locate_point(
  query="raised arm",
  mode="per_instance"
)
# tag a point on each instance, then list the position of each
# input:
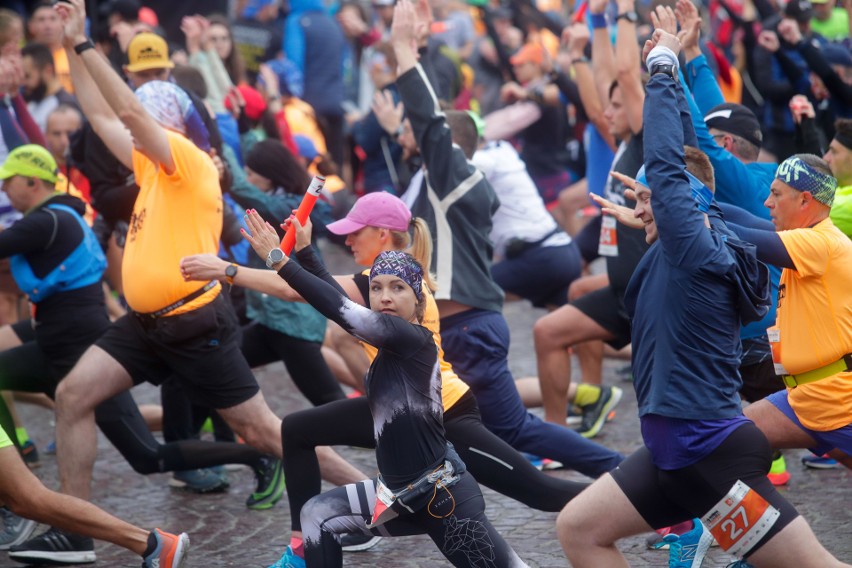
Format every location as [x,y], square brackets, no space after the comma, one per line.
[576,37]
[603,56]
[627,65]
[447,166]
[107,101]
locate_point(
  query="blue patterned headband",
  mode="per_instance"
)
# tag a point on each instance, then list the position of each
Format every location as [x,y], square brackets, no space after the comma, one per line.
[403,266]
[796,173]
[702,194]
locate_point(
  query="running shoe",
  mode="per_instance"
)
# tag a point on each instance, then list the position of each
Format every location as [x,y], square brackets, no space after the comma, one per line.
[270,484]
[688,550]
[15,529]
[289,560]
[169,550]
[29,453]
[207,480]
[820,462]
[358,542]
[595,414]
[778,474]
[55,547]
[655,541]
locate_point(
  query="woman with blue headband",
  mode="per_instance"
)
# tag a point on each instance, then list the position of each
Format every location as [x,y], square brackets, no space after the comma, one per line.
[422,485]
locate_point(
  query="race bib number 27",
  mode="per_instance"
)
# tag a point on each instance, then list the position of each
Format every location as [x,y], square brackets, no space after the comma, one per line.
[740,519]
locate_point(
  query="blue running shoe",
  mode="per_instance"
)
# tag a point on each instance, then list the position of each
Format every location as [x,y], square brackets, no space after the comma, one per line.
[688,550]
[207,480]
[289,560]
[820,462]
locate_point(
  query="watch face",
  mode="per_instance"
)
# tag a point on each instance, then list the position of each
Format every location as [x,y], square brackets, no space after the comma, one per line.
[231,271]
[276,255]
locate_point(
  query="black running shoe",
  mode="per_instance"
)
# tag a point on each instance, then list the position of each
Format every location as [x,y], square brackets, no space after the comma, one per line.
[270,484]
[55,548]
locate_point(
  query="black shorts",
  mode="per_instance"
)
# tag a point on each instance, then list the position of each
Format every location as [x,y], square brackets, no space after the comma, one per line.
[665,498]
[759,380]
[201,348]
[607,309]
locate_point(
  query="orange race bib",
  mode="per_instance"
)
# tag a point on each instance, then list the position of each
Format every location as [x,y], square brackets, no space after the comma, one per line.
[608,243]
[740,519]
[774,335]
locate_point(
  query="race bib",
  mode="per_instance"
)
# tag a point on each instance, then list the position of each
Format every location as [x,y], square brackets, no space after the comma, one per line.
[608,243]
[382,511]
[740,519]
[774,335]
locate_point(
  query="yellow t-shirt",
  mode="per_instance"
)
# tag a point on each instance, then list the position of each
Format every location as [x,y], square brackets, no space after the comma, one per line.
[815,321]
[63,69]
[174,216]
[452,387]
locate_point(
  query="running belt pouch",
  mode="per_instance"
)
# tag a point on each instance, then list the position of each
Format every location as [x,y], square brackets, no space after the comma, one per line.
[515,246]
[200,323]
[418,494]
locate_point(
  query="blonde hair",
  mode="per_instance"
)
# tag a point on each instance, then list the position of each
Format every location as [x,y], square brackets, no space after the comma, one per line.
[8,18]
[420,248]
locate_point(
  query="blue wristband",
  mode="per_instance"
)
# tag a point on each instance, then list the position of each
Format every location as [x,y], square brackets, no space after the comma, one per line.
[598,21]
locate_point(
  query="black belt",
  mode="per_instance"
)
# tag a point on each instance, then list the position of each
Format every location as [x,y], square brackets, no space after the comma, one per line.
[185,300]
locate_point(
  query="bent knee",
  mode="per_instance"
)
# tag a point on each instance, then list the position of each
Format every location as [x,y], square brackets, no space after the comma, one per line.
[572,528]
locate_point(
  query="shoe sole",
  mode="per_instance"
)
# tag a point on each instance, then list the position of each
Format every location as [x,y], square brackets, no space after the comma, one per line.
[54,558]
[613,401]
[22,537]
[811,465]
[183,486]
[181,552]
[363,546]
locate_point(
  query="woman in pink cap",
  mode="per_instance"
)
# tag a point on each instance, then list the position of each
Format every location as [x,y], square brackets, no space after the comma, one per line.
[380,222]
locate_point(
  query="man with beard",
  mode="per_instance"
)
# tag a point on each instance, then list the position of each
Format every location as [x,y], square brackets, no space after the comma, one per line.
[41,87]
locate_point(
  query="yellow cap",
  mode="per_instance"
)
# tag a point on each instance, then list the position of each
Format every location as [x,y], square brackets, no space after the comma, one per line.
[148,51]
[30,160]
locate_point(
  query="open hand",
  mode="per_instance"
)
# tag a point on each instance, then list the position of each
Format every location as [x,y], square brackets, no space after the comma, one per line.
[388,113]
[261,235]
[690,24]
[664,18]
[73,16]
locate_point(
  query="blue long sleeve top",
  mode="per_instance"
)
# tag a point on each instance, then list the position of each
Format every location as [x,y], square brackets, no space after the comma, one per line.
[687,299]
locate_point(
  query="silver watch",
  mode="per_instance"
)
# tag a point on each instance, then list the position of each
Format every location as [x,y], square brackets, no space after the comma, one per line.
[275,256]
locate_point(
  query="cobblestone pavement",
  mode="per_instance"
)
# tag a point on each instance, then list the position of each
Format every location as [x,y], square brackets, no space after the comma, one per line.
[226,534]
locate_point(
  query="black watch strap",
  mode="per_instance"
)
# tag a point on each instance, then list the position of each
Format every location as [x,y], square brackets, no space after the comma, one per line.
[83,46]
[630,16]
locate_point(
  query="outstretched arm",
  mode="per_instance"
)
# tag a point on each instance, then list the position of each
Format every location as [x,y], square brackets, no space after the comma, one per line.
[106,99]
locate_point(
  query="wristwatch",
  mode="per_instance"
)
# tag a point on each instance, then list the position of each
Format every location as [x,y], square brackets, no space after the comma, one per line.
[275,256]
[231,273]
[630,16]
[666,69]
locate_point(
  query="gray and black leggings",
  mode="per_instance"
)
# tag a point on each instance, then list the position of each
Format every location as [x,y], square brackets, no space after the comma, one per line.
[464,535]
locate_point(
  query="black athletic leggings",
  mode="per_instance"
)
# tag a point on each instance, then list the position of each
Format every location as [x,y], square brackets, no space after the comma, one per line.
[492,461]
[304,361]
[455,521]
[26,368]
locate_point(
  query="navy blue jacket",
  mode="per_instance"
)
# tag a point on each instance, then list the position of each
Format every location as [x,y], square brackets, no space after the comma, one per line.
[694,286]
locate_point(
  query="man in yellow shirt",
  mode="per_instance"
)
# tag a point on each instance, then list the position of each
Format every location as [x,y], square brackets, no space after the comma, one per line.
[812,339]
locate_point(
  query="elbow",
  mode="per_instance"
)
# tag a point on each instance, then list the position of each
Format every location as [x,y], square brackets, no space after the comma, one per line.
[132,113]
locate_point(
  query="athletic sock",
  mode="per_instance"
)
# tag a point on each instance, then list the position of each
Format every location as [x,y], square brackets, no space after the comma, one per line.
[683,528]
[778,465]
[586,395]
[297,545]
[22,435]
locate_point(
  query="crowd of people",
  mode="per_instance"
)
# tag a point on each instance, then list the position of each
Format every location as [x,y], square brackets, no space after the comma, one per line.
[670,182]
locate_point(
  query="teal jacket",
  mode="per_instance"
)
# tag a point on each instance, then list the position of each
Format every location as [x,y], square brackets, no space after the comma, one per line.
[290,318]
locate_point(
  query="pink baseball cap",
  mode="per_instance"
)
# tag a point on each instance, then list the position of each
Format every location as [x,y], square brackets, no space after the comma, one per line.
[379,209]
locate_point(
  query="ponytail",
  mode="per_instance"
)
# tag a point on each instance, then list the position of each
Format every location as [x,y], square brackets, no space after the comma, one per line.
[420,247]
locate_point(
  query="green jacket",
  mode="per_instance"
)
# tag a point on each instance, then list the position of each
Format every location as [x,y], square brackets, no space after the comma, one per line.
[841,210]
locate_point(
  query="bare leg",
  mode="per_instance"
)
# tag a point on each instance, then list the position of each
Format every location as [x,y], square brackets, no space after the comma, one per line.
[530,391]
[8,338]
[586,540]
[95,378]
[24,494]
[553,334]
[778,429]
[795,545]
[352,353]
[590,356]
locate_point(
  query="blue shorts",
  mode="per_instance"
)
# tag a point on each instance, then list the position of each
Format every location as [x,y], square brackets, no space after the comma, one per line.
[540,274]
[840,438]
